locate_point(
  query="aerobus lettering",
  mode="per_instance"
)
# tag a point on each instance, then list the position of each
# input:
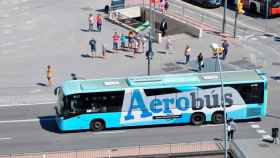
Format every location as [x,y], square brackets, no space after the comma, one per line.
[137,102]
[183,103]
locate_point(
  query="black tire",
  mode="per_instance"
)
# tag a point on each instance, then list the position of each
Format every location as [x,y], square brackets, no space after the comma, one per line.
[97,125]
[218,118]
[198,118]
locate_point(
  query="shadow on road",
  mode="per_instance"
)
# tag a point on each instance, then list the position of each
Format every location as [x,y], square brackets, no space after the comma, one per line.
[275,77]
[41,84]
[48,123]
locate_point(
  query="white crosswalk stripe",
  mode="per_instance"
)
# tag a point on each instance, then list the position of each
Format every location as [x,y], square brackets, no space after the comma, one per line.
[255,126]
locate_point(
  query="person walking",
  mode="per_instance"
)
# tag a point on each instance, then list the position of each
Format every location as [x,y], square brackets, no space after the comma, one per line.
[90,22]
[225,46]
[116,39]
[187,54]
[50,75]
[163,27]
[231,128]
[99,20]
[200,61]
[92,44]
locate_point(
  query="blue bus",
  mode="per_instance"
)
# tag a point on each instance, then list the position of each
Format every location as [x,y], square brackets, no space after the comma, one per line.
[161,99]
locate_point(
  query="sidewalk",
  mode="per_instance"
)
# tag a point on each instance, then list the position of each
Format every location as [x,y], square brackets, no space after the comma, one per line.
[255,148]
[64,45]
[162,150]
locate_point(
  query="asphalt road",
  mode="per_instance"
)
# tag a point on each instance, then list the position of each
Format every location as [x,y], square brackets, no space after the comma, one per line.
[32,128]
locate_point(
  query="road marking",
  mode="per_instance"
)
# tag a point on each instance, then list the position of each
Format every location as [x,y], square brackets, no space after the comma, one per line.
[211,125]
[266,136]
[255,126]
[113,132]
[6,138]
[251,122]
[261,131]
[28,104]
[254,38]
[7,44]
[27,120]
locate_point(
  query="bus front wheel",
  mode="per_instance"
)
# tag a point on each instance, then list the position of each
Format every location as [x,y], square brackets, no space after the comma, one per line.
[97,125]
[218,118]
[197,118]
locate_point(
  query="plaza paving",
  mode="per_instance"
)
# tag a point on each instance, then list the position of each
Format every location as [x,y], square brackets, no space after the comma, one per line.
[38,33]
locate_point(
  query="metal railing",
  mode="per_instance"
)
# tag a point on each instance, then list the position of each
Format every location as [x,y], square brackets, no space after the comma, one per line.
[163,149]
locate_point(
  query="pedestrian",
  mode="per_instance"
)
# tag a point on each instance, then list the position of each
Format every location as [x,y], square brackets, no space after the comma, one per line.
[163,27]
[134,46]
[90,22]
[130,39]
[50,75]
[162,6]
[187,54]
[200,61]
[92,44]
[231,128]
[106,9]
[225,46]
[116,39]
[166,6]
[99,20]
[123,41]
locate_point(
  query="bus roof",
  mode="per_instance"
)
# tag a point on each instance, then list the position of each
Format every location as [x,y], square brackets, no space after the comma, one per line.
[157,81]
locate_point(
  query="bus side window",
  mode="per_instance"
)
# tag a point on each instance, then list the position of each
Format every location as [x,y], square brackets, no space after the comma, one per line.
[115,101]
[250,93]
[160,91]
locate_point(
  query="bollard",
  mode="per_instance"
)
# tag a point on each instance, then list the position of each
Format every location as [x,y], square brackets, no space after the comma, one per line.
[103,51]
[275,135]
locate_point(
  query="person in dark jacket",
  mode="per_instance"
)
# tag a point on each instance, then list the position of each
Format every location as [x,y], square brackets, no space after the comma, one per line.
[92,44]
[225,45]
[163,27]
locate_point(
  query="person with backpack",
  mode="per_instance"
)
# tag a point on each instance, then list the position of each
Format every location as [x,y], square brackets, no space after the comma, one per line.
[99,22]
[92,44]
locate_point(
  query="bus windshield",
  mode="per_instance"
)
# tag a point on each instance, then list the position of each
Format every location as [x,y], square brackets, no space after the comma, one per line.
[275,3]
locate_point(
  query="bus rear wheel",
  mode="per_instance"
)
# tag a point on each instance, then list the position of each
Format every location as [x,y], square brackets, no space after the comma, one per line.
[198,119]
[97,125]
[218,118]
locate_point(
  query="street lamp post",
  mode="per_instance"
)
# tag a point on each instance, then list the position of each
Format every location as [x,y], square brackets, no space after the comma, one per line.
[223,105]
[224,17]
[149,52]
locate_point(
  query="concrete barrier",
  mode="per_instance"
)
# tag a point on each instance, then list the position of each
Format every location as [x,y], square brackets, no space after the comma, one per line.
[175,25]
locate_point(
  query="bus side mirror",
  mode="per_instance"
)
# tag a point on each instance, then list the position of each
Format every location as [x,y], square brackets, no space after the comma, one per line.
[56,91]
